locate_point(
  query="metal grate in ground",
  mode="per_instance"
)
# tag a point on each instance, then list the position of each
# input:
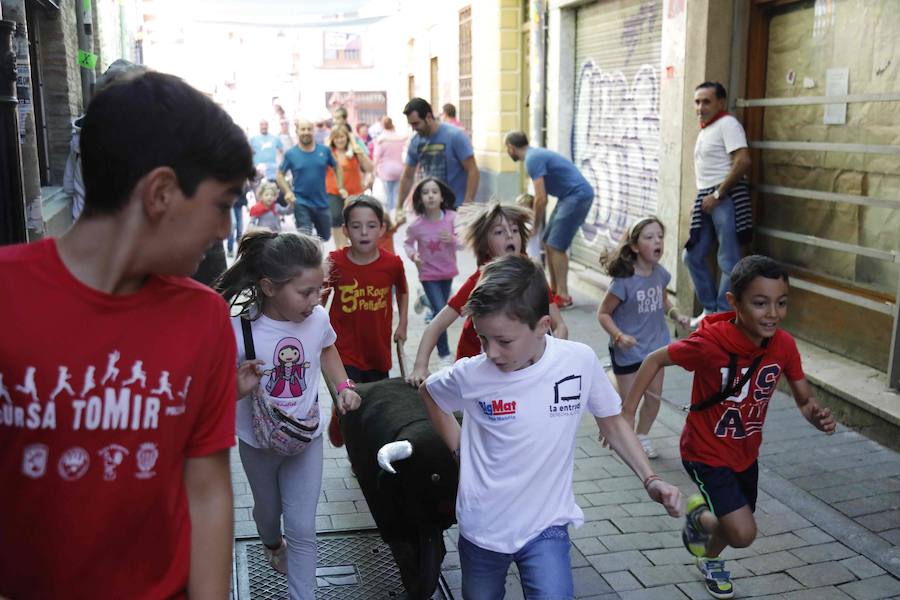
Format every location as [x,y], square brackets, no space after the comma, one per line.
[357,566]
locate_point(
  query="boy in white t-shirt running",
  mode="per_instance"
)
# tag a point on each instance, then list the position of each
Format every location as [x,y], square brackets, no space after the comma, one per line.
[522,400]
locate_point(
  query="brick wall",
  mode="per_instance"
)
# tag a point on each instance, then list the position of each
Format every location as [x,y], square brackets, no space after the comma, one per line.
[62,82]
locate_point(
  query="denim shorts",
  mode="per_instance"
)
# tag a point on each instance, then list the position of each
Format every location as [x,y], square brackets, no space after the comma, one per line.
[313,219]
[566,218]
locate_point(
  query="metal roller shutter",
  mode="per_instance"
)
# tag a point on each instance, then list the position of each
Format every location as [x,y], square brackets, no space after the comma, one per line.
[615,136]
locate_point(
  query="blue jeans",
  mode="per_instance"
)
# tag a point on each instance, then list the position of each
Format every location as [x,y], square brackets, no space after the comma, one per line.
[566,219]
[544,568]
[716,226]
[237,228]
[390,190]
[308,217]
[438,292]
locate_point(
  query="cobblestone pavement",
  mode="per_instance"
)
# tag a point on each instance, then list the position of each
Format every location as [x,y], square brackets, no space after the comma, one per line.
[828,511]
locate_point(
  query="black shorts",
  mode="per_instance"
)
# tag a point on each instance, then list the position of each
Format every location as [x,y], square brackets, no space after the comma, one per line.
[622,369]
[360,376]
[725,490]
[336,204]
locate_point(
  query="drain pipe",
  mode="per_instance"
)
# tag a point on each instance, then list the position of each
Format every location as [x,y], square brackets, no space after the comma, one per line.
[12,190]
[537,18]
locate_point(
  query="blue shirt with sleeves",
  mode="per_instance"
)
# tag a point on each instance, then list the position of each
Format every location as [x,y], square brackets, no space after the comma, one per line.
[441,155]
[641,313]
[308,170]
[561,178]
[265,152]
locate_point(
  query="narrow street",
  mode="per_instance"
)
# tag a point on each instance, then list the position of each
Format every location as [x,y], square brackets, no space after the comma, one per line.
[828,510]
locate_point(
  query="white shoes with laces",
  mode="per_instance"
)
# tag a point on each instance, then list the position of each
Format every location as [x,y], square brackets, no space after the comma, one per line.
[647,445]
[695,322]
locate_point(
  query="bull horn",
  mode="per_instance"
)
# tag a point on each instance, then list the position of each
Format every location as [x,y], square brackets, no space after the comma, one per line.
[393,451]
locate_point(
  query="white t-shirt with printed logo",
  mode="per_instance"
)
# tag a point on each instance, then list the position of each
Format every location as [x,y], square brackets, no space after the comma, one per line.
[518,440]
[291,352]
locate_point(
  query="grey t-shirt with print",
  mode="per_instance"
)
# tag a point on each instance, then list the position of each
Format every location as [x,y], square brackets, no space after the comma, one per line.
[640,313]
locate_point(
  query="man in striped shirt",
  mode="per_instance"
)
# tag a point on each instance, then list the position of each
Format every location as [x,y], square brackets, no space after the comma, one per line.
[722,211]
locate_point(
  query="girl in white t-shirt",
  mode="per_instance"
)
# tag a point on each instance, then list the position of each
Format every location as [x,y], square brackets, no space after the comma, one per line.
[633,313]
[275,284]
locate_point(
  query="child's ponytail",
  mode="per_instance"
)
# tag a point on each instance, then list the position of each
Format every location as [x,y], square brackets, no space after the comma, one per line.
[619,262]
[264,254]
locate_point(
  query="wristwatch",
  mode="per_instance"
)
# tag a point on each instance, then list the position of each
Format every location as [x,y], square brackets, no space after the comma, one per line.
[716,193]
[347,383]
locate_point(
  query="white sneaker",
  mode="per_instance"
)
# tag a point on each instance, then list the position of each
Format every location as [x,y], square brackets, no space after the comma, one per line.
[278,558]
[446,361]
[421,302]
[695,322]
[647,445]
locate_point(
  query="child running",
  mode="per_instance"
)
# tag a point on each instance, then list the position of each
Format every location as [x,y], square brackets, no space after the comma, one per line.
[496,230]
[431,243]
[266,213]
[276,281]
[522,400]
[737,358]
[632,313]
[362,277]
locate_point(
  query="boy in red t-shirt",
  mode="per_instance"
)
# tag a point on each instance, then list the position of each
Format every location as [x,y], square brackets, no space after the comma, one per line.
[362,277]
[117,371]
[737,358]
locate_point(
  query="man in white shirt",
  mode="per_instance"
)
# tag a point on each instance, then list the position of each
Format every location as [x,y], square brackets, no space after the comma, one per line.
[522,400]
[722,210]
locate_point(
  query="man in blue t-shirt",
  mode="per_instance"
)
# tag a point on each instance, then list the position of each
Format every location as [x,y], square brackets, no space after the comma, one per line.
[308,164]
[554,175]
[438,150]
[266,148]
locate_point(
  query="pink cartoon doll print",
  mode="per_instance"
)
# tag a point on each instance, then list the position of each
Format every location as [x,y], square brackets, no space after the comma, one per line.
[287,378]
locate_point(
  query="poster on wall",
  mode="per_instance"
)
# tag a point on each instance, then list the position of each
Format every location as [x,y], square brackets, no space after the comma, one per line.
[837,83]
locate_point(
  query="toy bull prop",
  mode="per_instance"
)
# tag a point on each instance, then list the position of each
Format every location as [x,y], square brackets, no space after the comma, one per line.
[408,477]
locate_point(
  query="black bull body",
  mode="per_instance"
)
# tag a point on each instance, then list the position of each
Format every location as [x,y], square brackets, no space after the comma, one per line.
[414,507]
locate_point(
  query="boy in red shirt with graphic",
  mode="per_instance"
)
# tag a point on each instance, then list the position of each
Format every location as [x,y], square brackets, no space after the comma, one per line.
[737,358]
[118,371]
[362,276]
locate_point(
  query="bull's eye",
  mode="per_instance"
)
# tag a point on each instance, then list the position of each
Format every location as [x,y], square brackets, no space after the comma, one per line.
[435,477]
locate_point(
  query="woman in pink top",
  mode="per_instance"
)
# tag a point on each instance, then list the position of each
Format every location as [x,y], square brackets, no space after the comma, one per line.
[431,243]
[388,158]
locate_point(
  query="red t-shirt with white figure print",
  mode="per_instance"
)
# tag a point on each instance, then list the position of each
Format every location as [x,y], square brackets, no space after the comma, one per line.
[728,434]
[102,399]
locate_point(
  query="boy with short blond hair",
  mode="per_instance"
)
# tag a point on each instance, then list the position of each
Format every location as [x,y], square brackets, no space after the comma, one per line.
[522,400]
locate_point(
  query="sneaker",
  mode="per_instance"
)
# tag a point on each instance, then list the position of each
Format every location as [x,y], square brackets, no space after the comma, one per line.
[718,580]
[421,302]
[693,537]
[334,430]
[647,445]
[278,558]
[695,322]
[446,361]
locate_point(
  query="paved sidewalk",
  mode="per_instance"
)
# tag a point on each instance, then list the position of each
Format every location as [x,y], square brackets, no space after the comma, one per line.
[828,511]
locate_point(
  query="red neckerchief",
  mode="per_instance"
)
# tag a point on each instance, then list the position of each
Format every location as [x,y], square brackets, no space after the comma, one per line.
[715,118]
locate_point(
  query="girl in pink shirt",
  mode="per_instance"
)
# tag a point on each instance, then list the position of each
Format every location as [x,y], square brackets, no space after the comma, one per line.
[431,243]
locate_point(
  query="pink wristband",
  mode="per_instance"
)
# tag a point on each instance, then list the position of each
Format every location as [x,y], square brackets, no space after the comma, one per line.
[347,383]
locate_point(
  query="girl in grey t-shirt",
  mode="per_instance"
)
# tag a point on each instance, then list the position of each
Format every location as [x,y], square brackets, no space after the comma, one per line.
[633,313]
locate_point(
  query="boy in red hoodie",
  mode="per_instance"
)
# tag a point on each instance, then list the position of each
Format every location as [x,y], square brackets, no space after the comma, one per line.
[737,358]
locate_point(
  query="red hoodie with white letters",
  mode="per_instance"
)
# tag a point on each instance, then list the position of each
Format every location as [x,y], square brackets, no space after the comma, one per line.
[729,433]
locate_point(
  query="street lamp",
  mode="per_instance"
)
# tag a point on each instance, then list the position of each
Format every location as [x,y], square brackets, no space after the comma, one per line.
[12,190]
